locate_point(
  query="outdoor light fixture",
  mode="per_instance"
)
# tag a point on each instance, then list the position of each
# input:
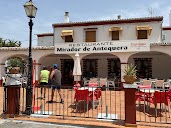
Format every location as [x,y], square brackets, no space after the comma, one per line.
[31,10]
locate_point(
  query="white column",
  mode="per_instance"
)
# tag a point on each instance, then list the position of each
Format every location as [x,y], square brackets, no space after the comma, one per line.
[2,72]
[122,69]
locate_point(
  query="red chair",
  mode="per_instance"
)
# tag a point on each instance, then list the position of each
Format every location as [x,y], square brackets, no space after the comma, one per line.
[83,95]
[76,86]
[160,97]
[98,93]
[142,96]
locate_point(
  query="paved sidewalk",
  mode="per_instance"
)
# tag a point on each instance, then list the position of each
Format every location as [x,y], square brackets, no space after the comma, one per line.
[30,124]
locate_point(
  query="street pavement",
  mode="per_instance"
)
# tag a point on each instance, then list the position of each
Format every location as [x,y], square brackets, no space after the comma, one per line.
[6,123]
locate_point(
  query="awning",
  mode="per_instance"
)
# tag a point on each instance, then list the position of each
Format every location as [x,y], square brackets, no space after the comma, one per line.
[67,33]
[115,29]
[147,27]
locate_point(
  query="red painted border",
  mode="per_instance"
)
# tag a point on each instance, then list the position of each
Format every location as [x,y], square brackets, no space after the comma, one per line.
[45,34]
[1,83]
[124,63]
[167,28]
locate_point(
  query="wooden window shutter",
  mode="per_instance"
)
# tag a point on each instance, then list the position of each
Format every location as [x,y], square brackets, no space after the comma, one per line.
[90,36]
[115,35]
[142,34]
[68,38]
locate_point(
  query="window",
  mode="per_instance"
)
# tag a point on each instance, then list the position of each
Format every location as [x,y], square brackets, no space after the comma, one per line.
[90,68]
[114,68]
[143,31]
[144,67]
[114,32]
[115,35]
[142,34]
[90,36]
[67,35]
[68,38]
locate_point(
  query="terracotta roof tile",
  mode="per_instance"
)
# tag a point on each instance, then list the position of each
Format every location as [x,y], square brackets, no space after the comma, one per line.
[102,22]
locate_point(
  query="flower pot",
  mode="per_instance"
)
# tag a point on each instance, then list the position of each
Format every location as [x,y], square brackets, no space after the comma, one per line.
[129,79]
[14,70]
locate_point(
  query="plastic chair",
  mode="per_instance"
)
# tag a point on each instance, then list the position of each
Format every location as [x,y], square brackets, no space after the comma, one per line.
[93,80]
[159,84]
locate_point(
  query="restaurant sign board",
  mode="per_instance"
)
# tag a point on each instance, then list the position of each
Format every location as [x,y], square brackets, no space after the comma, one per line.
[102,47]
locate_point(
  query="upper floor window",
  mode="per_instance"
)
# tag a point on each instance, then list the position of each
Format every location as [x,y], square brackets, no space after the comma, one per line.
[68,38]
[115,35]
[115,31]
[90,35]
[143,32]
[67,35]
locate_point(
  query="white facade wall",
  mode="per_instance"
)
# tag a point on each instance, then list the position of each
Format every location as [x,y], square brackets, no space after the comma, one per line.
[128,32]
[167,34]
[160,64]
[45,41]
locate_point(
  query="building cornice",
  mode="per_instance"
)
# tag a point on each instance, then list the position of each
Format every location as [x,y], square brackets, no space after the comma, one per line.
[105,22]
[26,48]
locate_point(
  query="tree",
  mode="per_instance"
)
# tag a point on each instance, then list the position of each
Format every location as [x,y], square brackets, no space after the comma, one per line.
[9,43]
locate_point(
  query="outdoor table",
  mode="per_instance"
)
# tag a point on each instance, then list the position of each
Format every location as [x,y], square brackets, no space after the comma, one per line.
[149,90]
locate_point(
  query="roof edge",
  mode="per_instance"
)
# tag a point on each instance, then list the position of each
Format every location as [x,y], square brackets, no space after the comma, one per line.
[103,22]
[44,34]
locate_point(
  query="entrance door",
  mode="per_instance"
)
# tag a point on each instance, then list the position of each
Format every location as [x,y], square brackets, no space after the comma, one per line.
[67,68]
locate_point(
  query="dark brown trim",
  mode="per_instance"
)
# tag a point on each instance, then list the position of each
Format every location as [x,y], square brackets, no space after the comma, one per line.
[105,22]
[89,28]
[2,64]
[124,63]
[167,28]
[45,34]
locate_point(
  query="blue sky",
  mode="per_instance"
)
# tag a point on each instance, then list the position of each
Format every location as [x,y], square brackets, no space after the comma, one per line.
[14,23]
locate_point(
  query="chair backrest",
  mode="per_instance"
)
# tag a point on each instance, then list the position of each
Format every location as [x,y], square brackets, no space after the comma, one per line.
[77,85]
[146,82]
[161,97]
[159,83]
[93,80]
[169,81]
[81,95]
[103,81]
[153,79]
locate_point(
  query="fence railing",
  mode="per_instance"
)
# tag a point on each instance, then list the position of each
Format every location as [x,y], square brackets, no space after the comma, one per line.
[153,105]
[86,102]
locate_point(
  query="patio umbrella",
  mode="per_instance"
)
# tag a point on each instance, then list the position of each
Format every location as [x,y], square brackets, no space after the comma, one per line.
[77,68]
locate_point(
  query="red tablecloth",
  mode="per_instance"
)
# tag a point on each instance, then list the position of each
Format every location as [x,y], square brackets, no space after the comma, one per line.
[144,86]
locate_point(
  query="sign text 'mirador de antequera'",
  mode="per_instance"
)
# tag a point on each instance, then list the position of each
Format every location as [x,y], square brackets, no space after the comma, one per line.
[99,47]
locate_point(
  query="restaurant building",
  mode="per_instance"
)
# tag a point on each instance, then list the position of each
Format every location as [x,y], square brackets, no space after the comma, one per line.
[104,48]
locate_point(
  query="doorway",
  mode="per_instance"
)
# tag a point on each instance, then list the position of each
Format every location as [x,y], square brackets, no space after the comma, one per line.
[66,70]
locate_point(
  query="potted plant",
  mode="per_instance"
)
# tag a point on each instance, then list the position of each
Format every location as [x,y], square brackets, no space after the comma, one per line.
[130,74]
[14,65]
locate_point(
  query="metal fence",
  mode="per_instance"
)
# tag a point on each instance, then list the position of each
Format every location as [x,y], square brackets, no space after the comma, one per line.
[153,105]
[102,103]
